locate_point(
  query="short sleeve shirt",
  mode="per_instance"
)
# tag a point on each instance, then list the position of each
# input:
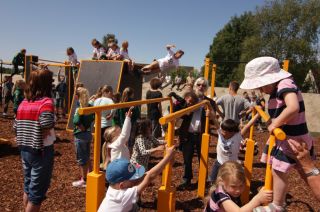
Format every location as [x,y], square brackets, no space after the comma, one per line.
[228,149]
[218,197]
[119,200]
[168,62]
[232,106]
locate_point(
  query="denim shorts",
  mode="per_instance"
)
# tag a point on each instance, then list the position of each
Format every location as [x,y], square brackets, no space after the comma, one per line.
[37,171]
[82,144]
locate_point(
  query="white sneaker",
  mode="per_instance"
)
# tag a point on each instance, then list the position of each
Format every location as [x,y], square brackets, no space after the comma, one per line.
[80,183]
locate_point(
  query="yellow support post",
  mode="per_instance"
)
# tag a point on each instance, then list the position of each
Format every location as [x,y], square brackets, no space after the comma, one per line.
[213,79]
[268,179]
[203,169]
[285,65]
[206,68]
[166,193]
[96,190]
[248,161]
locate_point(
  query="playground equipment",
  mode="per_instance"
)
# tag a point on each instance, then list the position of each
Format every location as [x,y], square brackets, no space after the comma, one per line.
[166,194]
[95,179]
[96,73]
[213,74]
[277,134]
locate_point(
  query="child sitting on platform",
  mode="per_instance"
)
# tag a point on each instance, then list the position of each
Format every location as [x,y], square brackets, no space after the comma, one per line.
[224,195]
[99,52]
[113,52]
[166,63]
[125,55]
[127,182]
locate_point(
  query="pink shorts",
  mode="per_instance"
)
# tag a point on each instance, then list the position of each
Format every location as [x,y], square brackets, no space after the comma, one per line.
[280,159]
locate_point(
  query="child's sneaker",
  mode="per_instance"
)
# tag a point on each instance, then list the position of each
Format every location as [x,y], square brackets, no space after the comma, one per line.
[80,183]
[269,208]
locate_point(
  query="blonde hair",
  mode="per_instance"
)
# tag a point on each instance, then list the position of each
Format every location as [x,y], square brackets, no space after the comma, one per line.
[83,95]
[228,171]
[109,134]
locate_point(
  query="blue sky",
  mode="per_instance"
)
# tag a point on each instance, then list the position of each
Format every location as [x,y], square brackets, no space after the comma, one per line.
[47,28]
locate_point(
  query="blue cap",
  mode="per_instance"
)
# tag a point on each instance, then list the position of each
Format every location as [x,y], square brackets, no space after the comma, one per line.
[120,170]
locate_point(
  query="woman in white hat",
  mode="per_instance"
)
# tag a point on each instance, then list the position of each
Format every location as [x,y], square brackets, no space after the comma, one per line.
[287,111]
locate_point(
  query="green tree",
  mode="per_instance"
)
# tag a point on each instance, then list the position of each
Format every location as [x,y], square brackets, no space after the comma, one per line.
[286,29]
[226,48]
[109,38]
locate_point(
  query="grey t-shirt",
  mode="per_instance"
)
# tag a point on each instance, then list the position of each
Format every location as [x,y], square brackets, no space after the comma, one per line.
[232,106]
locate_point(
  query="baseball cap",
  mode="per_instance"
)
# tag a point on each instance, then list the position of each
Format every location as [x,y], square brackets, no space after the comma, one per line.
[120,170]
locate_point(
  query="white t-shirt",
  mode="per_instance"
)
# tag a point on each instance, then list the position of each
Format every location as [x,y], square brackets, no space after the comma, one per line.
[119,200]
[73,59]
[119,148]
[99,52]
[228,149]
[113,53]
[104,101]
[168,62]
[125,54]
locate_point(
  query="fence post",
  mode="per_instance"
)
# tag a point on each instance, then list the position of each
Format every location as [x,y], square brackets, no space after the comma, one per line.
[213,79]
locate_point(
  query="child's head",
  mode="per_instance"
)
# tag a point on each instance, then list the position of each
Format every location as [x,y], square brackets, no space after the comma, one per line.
[83,96]
[127,94]
[62,78]
[79,85]
[228,128]
[155,83]
[263,73]
[20,84]
[121,172]
[95,43]
[143,127]
[23,51]
[232,178]
[70,51]
[125,44]
[107,91]
[191,98]
[234,86]
[111,134]
[178,54]
[116,97]
[112,45]
[40,84]
[245,94]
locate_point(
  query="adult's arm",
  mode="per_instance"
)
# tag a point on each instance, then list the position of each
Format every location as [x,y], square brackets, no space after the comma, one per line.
[303,158]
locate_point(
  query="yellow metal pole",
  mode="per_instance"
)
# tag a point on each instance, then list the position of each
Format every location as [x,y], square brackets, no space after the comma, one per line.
[248,164]
[203,169]
[95,191]
[213,79]
[268,179]
[285,65]
[206,68]
[166,193]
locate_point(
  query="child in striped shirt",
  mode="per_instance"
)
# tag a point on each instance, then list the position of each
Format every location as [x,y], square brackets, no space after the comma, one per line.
[287,111]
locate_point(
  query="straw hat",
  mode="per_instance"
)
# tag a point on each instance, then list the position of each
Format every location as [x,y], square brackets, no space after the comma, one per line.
[262,71]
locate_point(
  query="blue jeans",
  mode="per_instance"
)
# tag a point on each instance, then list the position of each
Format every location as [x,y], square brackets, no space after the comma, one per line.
[82,143]
[37,171]
[214,172]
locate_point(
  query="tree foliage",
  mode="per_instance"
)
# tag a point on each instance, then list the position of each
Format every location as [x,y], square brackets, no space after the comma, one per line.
[284,29]
[109,38]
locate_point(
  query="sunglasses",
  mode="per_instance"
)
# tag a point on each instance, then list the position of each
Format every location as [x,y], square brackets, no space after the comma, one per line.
[203,85]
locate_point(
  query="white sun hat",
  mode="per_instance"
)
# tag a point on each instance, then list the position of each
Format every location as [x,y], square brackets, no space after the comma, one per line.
[262,71]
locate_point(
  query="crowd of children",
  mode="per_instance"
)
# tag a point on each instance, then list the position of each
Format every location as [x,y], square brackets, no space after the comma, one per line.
[128,140]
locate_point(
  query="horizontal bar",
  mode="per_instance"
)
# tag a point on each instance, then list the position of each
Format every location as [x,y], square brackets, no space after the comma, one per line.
[277,132]
[180,113]
[89,110]
[51,61]
[53,64]
[5,63]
